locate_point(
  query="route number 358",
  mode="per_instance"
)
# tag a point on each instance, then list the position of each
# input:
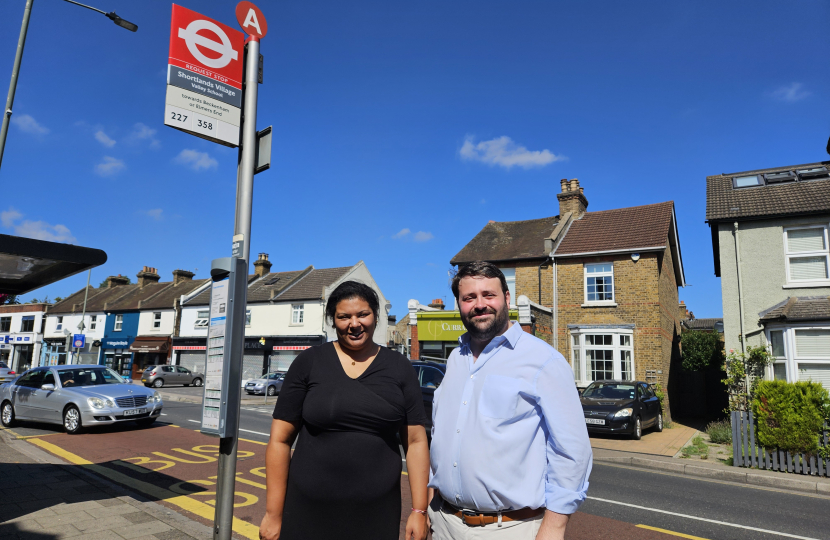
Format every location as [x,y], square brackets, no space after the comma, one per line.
[206,125]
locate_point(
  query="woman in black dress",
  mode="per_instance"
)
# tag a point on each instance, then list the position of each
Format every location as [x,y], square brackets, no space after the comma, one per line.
[346,400]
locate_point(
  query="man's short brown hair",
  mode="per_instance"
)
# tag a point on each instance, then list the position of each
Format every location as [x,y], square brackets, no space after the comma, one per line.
[478,269]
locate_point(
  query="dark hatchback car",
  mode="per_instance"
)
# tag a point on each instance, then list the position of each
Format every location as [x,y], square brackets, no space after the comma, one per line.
[624,407]
[430,375]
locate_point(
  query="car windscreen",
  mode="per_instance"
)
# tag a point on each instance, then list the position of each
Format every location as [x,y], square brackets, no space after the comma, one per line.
[3,365]
[88,377]
[610,391]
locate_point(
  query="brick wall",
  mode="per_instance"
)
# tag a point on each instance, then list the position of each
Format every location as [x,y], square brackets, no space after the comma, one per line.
[527,283]
[669,323]
[542,325]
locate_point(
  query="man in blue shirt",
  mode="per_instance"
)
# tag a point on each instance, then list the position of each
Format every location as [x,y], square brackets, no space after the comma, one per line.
[510,452]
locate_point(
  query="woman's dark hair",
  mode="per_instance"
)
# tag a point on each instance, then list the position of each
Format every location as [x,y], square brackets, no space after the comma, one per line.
[348,290]
[478,269]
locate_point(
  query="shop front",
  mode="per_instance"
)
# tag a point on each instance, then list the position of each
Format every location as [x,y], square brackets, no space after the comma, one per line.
[53,352]
[149,351]
[22,351]
[438,333]
[285,349]
[117,355]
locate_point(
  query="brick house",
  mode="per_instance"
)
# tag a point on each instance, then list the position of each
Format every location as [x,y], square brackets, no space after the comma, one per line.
[603,286]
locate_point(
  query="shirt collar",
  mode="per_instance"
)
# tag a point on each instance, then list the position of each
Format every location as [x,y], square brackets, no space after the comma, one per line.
[512,336]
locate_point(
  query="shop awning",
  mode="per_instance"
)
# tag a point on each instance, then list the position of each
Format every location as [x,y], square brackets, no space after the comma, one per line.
[150,345]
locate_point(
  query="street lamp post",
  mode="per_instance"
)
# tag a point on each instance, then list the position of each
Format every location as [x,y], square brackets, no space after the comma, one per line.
[21,42]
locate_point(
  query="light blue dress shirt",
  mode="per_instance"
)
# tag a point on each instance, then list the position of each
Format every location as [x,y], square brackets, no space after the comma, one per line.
[508,429]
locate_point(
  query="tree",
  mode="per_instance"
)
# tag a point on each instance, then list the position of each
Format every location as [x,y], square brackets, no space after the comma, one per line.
[9,299]
[700,350]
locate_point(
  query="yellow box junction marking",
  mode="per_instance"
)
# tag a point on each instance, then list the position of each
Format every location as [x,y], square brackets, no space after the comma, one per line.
[666,531]
[182,501]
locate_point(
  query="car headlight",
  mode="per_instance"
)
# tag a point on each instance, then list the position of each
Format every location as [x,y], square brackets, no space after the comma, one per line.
[623,413]
[156,397]
[96,403]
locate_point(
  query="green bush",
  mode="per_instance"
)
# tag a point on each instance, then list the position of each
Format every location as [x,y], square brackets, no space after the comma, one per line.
[699,350]
[720,432]
[790,416]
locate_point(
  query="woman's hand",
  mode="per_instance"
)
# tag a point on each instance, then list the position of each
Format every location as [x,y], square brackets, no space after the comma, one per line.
[416,526]
[270,527]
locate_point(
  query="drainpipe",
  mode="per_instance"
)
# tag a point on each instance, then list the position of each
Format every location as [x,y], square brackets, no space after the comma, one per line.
[554,311]
[740,286]
[539,274]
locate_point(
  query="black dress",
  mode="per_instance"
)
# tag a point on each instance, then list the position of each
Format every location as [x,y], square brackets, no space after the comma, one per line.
[345,474]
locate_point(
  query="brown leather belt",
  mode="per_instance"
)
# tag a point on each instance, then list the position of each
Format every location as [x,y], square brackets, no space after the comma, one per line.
[475,519]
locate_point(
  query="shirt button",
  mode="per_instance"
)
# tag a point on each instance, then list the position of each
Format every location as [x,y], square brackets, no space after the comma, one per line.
[454,464]
[458,431]
[471,376]
[465,403]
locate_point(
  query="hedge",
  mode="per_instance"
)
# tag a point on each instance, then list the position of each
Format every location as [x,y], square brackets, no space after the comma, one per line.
[699,350]
[790,416]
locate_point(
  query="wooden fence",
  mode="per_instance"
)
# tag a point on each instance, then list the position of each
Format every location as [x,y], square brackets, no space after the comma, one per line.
[747,453]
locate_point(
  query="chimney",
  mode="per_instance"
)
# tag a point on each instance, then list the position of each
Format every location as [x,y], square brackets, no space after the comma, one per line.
[572,199]
[180,276]
[147,275]
[684,312]
[262,265]
[437,303]
[114,281]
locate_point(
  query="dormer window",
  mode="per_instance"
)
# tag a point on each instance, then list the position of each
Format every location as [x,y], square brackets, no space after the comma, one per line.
[817,173]
[780,177]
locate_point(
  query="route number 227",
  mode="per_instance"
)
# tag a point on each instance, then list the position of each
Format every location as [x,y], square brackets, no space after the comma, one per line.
[178,117]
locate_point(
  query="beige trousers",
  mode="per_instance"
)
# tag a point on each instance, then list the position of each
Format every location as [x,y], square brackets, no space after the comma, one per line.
[446,526]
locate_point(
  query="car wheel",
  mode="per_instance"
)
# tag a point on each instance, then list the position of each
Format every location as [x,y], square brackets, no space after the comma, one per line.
[72,420]
[658,426]
[272,391]
[7,414]
[145,422]
[638,429]
[197,382]
[158,383]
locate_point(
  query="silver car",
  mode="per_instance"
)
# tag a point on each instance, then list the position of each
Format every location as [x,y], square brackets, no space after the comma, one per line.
[6,374]
[165,375]
[77,396]
[270,383]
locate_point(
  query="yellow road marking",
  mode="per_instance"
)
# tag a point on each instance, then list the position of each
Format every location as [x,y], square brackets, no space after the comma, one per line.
[665,531]
[255,442]
[22,437]
[191,505]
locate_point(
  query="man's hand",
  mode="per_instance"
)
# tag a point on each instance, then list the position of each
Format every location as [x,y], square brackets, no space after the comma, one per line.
[270,527]
[553,526]
[416,527]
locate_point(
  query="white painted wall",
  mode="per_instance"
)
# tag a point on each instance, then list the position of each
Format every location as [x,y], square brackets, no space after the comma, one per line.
[275,319]
[189,316]
[70,322]
[146,319]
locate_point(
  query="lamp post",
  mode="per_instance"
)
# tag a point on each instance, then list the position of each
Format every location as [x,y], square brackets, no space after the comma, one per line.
[21,42]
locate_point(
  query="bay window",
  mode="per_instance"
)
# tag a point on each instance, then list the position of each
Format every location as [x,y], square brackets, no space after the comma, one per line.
[602,354]
[801,353]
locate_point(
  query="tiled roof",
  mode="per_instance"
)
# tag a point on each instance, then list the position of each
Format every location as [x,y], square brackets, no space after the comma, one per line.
[130,299]
[798,308]
[508,240]
[165,298]
[95,302]
[701,324]
[311,286]
[261,290]
[723,202]
[622,229]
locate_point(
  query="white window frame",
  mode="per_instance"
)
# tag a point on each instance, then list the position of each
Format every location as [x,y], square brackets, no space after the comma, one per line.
[93,322]
[58,324]
[118,324]
[792,361]
[585,277]
[584,368]
[202,322]
[248,318]
[297,314]
[510,278]
[157,320]
[799,254]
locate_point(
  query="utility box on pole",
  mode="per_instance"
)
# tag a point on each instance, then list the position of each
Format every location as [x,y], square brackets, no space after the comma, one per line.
[226,333]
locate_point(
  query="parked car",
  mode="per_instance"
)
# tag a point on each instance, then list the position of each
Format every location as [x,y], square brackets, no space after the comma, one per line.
[6,374]
[77,396]
[625,407]
[270,383]
[430,374]
[158,376]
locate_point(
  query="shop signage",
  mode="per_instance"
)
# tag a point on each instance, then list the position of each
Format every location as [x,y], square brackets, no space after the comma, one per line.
[445,325]
[189,348]
[118,343]
[291,347]
[204,77]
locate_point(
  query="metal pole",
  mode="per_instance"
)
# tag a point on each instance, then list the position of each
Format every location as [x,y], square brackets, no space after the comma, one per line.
[21,42]
[226,477]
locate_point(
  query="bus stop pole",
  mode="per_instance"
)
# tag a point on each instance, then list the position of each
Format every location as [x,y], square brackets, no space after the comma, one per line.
[226,478]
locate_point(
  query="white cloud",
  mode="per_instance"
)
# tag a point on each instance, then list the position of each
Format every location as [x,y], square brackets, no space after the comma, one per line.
[423,236]
[196,160]
[155,213]
[791,93]
[39,230]
[110,166]
[27,124]
[102,138]
[502,151]
[401,233]
[142,132]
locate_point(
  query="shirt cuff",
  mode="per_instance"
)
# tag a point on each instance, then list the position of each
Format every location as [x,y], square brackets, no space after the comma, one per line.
[564,501]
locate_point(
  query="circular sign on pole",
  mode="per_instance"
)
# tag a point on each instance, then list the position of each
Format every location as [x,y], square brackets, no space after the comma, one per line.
[251,19]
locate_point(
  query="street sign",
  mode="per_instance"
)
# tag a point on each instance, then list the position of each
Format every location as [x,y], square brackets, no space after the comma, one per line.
[263,150]
[251,19]
[79,341]
[224,347]
[204,77]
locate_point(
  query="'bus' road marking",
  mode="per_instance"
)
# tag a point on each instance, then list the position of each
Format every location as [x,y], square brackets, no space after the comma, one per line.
[748,528]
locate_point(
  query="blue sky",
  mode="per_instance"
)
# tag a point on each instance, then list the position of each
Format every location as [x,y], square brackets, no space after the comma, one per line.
[373,105]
